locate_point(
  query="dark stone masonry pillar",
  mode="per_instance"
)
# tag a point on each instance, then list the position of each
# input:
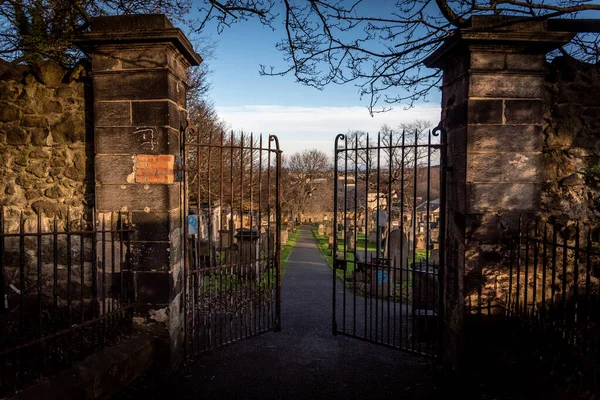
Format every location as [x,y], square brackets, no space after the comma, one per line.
[492,108]
[139,65]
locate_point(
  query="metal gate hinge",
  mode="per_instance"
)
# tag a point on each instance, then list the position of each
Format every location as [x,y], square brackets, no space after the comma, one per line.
[178,169]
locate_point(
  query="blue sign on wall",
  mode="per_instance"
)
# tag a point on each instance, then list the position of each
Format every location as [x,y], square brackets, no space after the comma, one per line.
[192,224]
[382,277]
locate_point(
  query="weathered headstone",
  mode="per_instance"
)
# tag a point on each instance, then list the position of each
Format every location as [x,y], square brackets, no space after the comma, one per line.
[284,237]
[331,242]
[329,230]
[350,243]
[372,237]
[420,241]
[321,229]
[398,253]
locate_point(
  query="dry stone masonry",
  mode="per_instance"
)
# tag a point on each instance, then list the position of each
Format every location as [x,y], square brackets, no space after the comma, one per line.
[46,154]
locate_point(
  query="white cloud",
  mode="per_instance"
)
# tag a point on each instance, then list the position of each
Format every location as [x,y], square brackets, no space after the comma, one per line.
[300,128]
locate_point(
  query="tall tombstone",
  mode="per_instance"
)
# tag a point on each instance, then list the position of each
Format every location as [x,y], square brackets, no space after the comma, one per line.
[492,110]
[398,254]
[139,65]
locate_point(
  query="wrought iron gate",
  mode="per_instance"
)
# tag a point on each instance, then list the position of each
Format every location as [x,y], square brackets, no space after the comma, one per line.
[232,245]
[388,234]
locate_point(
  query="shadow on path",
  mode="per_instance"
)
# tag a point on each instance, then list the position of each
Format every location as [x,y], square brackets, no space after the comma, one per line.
[303,361]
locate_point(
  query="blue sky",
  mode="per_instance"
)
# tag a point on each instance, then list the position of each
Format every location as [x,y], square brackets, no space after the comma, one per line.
[302,117]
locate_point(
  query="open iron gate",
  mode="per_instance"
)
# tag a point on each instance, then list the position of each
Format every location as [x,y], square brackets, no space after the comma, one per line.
[388,232]
[232,265]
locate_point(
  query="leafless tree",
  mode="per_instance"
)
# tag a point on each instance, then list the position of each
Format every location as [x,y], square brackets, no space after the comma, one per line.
[378,48]
[307,183]
[41,29]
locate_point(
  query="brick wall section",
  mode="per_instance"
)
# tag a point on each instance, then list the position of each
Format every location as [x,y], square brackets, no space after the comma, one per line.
[154,169]
[139,65]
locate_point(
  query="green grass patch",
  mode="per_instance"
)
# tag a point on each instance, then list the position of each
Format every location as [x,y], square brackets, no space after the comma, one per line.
[286,250]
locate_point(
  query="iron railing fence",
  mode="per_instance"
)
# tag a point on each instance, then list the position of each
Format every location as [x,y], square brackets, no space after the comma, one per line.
[233,209]
[66,291]
[553,284]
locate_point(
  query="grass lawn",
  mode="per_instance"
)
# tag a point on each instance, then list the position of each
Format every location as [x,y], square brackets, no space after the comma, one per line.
[286,250]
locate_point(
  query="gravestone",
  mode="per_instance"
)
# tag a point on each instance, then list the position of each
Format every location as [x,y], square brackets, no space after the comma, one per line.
[350,245]
[284,237]
[420,241]
[321,229]
[372,237]
[329,230]
[434,256]
[331,242]
[397,252]
[248,250]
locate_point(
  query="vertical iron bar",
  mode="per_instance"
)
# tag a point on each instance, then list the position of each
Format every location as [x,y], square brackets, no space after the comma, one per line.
[403,282]
[379,271]
[575,319]
[535,262]
[335,231]
[414,218]
[264,268]
[391,271]
[39,292]
[355,232]
[427,275]
[526,283]
[442,239]
[564,286]
[544,267]
[344,245]
[518,277]
[367,263]
[278,233]
[3,299]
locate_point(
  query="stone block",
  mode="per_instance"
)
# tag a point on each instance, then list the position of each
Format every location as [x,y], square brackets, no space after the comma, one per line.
[455,92]
[136,197]
[488,61]
[485,111]
[127,23]
[484,167]
[131,85]
[152,287]
[135,57]
[155,113]
[9,112]
[150,256]
[523,111]
[506,85]
[525,62]
[177,90]
[136,140]
[455,116]
[522,167]
[114,169]
[510,138]
[112,114]
[484,197]
[153,225]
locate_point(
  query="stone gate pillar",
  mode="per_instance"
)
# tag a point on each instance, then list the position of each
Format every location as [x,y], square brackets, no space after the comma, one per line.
[492,108]
[139,65]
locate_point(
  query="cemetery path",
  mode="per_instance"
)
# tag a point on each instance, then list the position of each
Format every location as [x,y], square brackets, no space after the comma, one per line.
[302,361]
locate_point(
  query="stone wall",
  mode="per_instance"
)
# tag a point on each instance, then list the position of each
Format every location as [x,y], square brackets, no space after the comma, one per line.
[46,154]
[572,142]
